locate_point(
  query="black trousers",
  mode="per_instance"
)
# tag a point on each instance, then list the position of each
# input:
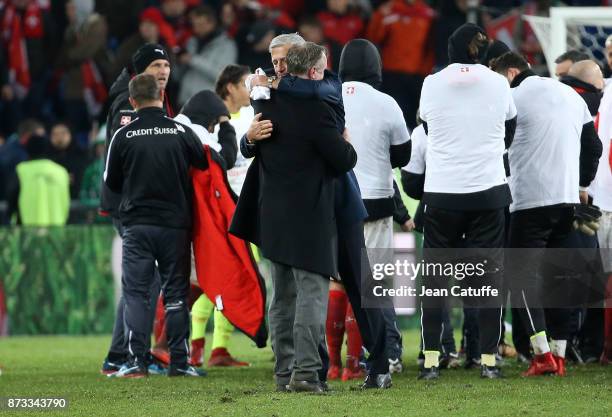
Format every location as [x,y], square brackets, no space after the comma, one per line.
[118,351]
[371,321]
[469,230]
[536,229]
[142,246]
[406,90]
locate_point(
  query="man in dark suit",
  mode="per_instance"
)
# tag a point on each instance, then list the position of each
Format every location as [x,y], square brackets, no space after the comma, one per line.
[287,208]
[349,213]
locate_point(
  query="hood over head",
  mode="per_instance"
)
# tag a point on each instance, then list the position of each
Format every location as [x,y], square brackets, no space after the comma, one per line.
[360,61]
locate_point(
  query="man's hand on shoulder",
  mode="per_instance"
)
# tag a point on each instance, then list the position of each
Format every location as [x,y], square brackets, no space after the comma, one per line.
[259,129]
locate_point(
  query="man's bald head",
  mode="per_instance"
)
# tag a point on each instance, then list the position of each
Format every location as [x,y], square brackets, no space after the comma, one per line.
[587,71]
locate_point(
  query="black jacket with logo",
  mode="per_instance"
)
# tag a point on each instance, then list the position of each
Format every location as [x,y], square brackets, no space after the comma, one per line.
[148,163]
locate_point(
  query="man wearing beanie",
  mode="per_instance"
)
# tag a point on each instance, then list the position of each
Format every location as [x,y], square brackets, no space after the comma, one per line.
[467,112]
[150,59]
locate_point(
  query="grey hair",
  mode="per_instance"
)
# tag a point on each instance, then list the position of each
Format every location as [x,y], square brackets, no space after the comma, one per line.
[303,57]
[286,39]
[609,41]
[143,88]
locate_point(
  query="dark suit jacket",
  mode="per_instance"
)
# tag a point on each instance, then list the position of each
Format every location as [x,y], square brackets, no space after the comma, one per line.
[286,206]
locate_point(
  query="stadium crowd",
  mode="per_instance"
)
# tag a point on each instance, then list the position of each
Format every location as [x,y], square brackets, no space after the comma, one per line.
[187,74]
[58,59]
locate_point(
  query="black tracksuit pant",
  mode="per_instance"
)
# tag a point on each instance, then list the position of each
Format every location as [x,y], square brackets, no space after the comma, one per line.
[448,229]
[142,246]
[118,351]
[536,229]
[371,321]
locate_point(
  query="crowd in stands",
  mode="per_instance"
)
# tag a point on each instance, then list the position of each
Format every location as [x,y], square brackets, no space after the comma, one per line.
[58,59]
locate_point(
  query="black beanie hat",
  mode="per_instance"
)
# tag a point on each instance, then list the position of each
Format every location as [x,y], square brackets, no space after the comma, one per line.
[146,54]
[204,108]
[360,61]
[459,41]
[496,49]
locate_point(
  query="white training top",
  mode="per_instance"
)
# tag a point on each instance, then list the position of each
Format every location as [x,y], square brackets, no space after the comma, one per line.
[601,187]
[465,107]
[416,165]
[374,122]
[241,122]
[545,154]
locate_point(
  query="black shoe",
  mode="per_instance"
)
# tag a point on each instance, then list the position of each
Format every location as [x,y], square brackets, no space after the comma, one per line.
[490,372]
[429,374]
[379,381]
[186,371]
[281,388]
[304,386]
[132,369]
[324,386]
[109,368]
[471,363]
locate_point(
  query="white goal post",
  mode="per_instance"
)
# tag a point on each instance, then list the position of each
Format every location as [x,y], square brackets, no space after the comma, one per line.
[583,28]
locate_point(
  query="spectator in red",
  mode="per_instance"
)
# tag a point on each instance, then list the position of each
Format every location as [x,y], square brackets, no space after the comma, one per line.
[28,38]
[208,51]
[402,29]
[152,29]
[340,22]
[311,30]
[85,66]
[175,14]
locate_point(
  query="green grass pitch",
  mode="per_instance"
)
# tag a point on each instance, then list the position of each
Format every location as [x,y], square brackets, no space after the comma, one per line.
[69,367]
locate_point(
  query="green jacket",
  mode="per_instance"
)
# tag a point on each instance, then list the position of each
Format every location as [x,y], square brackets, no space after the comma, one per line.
[44,193]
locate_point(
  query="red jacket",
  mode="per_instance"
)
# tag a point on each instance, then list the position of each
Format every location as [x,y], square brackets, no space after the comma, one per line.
[226,271]
[402,31]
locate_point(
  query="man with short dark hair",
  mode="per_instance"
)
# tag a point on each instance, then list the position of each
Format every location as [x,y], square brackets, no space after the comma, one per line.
[553,159]
[566,60]
[156,216]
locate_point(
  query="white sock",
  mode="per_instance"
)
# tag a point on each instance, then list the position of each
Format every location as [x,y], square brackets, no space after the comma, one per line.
[487,359]
[432,358]
[539,343]
[557,347]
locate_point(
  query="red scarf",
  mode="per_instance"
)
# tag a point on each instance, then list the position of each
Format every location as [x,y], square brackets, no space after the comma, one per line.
[16,28]
[94,90]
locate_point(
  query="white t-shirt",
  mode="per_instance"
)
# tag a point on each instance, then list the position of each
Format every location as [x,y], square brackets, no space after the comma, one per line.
[241,122]
[374,122]
[545,154]
[465,107]
[416,165]
[601,188]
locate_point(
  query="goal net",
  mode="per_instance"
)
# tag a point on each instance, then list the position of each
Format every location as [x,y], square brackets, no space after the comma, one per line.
[581,28]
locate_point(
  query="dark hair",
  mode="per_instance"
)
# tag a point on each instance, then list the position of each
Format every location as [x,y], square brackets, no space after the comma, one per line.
[204,10]
[302,58]
[231,74]
[476,45]
[28,126]
[509,60]
[143,88]
[572,55]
